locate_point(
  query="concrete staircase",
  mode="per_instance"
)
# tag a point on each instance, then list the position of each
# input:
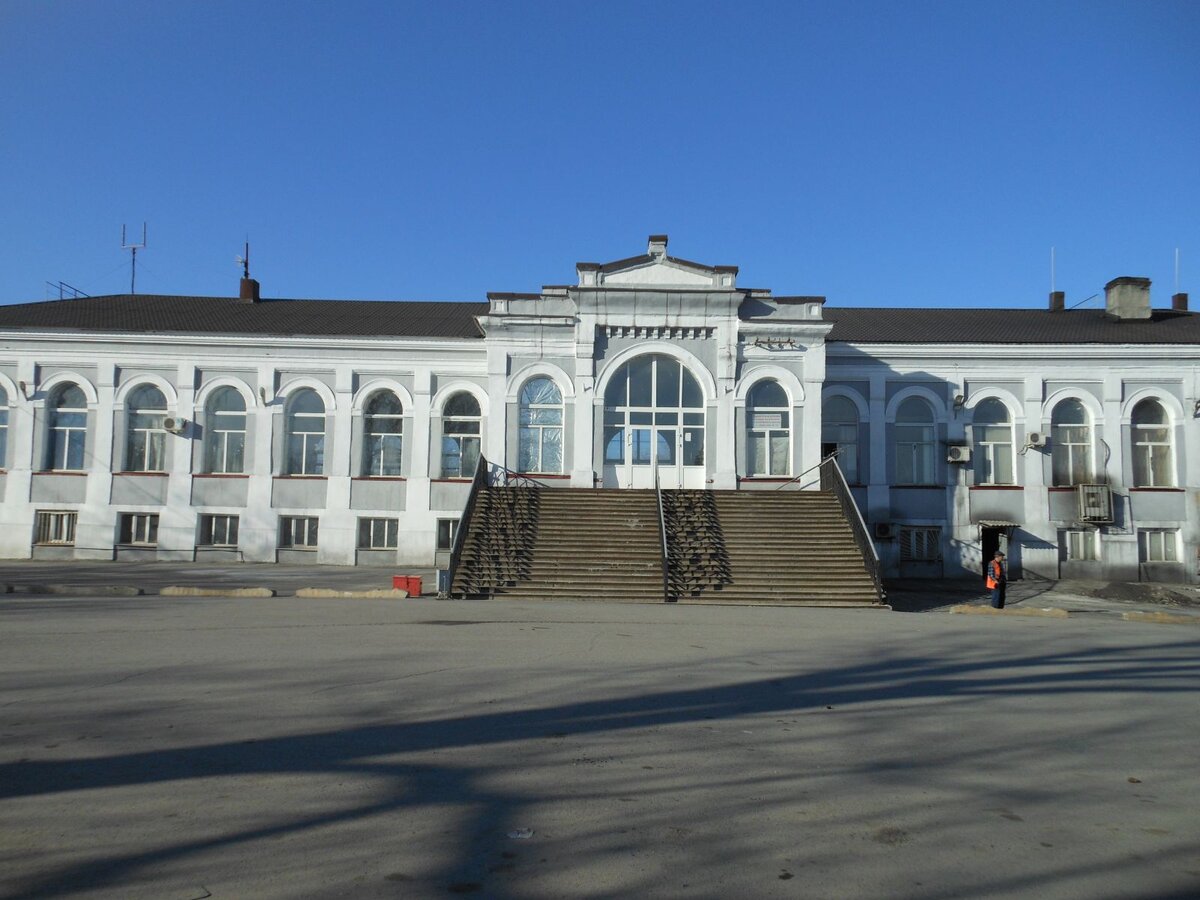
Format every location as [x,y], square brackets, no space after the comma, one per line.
[781,547]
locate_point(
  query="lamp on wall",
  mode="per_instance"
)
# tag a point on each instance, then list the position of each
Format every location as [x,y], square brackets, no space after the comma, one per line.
[959,400]
[1195,412]
[25,390]
[262,392]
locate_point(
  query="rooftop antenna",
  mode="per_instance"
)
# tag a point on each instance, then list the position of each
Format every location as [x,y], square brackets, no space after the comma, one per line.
[1177,270]
[244,261]
[1052,270]
[133,249]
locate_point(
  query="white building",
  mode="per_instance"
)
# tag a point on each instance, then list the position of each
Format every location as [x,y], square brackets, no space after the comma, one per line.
[347,431]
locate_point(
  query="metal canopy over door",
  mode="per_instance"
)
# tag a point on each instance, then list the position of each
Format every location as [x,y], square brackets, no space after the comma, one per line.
[654,425]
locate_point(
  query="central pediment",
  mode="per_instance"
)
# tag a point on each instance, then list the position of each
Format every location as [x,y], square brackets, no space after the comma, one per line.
[656,269]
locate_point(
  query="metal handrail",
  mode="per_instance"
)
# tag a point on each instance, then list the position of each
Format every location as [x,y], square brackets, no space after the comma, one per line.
[834,481]
[662,529]
[809,469]
[502,476]
[478,482]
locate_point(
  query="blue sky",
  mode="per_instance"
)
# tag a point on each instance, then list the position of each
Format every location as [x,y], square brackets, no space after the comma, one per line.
[882,154]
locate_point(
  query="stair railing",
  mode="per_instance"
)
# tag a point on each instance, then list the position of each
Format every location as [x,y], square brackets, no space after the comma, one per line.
[478,483]
[662,530]
[793,480]
[834,481]
[502,476]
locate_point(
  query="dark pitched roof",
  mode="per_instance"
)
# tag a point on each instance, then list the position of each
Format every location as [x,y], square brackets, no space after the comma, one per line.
[1008,326]
[223,315]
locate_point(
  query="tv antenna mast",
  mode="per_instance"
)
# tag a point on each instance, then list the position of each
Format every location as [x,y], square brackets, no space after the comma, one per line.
[133,249]
[244,261]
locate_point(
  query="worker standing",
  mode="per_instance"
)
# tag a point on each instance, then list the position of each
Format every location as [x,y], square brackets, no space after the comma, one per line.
[997,578]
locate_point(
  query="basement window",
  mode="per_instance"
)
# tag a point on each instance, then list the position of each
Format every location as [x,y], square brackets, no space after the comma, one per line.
[446,531]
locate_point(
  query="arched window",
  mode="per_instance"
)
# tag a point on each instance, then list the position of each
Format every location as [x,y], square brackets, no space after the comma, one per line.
[3,428]
[1070,444]
[839,433]
[306,434]
[68,429]
[992,432]
[225,432]
[914,442]
[653,401]
[145,440]
[383,435]
[1151,433]
[768,430]
[540,448]
[461,427]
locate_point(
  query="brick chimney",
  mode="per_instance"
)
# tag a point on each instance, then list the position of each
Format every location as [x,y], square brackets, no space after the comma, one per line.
[657,245]
[249,290]
[1128,298]
[1179,302]
[1058,301]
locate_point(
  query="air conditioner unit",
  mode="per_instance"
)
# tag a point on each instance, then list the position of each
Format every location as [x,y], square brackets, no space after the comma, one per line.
[958,453]
[1035,439]
[174,424]
[884,531]
[1095,503]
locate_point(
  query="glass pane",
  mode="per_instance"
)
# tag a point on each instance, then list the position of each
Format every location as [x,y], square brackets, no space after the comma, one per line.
[1149,412]
[392,446]
[614,394]
[990,412]
[235,450]
[666,446]
[769,394]
[316,455]
[147,396]
[462,404]
[226,399]
[693,446]
[667,387]
[384,403]
[1069,412]
[914,410]
[71,398]
[693,397]
[614,444]
[451,457]
[756,453]
[840,410]
[1003,465]
[848,460]
[662,418]
[135,456]
[75,441]
[155,451]
[527,453]
[541,391]
[456,426]
[547,416]
[641,381]
[470,456]
[552,460]
[779,454]
[295,457]
[641,446]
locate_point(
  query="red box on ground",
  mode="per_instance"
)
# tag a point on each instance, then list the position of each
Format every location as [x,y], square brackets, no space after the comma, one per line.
[414,586]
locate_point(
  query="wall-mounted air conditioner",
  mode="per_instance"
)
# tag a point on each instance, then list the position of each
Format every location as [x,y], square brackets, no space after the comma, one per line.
[174,424]
[1095,503]
[884,531]
[1035,439]
[958,453]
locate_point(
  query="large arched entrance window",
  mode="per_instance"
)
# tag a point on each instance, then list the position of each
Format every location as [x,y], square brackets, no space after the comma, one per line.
[768,430]
[654,425]
[1070,444]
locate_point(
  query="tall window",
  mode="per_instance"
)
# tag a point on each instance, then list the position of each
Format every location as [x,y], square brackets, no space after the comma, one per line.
[225,432]
[68,429]
[541,416]
[839,432]
[654,411]
[383,435]
[1070,444]
[768,430]
[1151,446]
[993,438]
[3,428]
[461,427]
[145,440]
[306,434]
[914,443]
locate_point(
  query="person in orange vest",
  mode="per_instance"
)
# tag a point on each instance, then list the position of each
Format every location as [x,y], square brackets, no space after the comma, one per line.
[997,578]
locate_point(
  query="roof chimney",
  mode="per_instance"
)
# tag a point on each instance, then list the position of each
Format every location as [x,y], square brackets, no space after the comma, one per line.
[1058,301]
[658,245]
[1128,297]
[249,290]
[1179,302]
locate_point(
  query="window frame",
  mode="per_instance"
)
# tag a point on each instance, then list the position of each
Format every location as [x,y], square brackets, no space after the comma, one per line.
[310,462]
[288,531]
[378,533]
[145,437]
[533,434]
[448,528]
[845,429]
[138,529]
[1167,541]
[375,455]
[69,437]
[4,408]
[1074,540]
[988,444]
[47,522]
[909,451]
[920,543]
[461,450]
[1146,474]
[219,436]
[208,530]
[764,437]
[1064,459]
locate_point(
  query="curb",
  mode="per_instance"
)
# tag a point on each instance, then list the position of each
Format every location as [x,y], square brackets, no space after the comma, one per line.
[1049,612]
[184,591]
[79,590]
[330,594]
[1160,618]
